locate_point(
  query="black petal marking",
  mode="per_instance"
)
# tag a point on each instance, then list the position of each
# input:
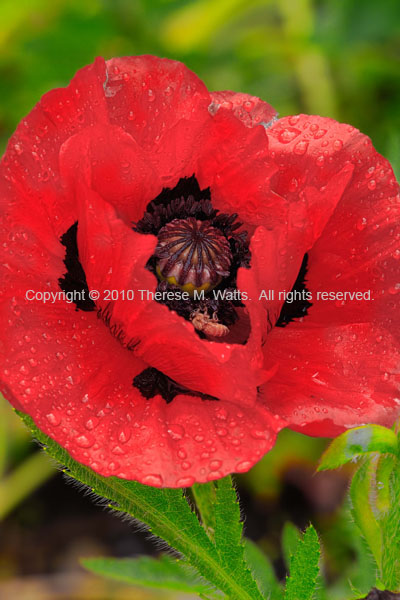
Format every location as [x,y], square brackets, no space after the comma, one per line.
[151,382]
[299,307]
[74,280]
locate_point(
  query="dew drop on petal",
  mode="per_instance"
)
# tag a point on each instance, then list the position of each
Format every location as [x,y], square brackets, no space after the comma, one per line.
[243,466]
[300,148]
[53,418]
[215,464]
[84,442]
[124,435]
[287,135]
[176,432]
[185,482]
[361,224]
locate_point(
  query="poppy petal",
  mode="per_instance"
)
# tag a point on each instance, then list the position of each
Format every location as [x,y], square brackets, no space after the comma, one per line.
[339,366]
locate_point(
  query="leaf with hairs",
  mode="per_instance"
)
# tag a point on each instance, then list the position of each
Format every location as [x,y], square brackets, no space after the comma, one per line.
[304,568]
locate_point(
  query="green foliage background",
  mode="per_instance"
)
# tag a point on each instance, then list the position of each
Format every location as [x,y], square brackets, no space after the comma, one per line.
[337,58]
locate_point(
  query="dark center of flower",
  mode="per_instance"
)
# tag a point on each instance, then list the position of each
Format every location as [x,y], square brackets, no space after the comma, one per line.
[192,254]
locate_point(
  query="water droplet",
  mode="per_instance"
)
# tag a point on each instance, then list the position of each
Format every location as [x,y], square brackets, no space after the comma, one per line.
[361,224]
[176,431]
[260,435]
[83,441]
[243,466]
[91,423]
[185,482]
[319,134]
[124,435]
[371,184]
[215,465]
[221,413]
[300,148]
[186,465]
[287,135]
[222,431]
[338,144]
[53,418]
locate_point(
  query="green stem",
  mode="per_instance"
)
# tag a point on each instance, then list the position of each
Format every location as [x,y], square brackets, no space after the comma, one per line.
[165,511]
[28,476]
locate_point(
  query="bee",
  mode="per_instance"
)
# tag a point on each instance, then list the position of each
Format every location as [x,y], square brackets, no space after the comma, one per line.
[208,325]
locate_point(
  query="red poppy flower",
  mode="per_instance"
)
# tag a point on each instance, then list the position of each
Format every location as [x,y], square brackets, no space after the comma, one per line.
[135,177]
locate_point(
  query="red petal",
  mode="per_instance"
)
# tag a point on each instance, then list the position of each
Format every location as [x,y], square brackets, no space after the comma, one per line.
[248,109]
[334,377]
[31,161]
[260,175]
[109,161]
[340,366]
[66,371]
[164,106]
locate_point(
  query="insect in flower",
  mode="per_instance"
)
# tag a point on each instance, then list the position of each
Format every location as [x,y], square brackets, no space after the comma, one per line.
[209,325]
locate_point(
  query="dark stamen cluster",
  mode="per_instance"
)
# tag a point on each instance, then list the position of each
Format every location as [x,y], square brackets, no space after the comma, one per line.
[185,201]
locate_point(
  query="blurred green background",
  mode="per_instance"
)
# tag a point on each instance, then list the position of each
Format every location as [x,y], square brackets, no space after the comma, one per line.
[337,58]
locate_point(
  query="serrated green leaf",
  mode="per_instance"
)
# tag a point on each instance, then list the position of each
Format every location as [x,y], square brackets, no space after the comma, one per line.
[228,527]
[290,539]
[304,569]
[362,511]
[163,573]
[165,512]
[263,571]
[358,442]
[228,535]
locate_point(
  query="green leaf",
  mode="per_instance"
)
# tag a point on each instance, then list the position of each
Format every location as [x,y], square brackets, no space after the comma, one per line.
[263,571]
[384,470]
[167,515]
[363,514]
[204,496]
[163,573]
[290,539]
[358,442]
[228,535]
[304,569]
[391,536]
[228,527]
